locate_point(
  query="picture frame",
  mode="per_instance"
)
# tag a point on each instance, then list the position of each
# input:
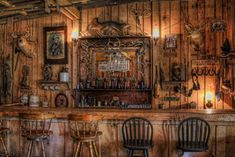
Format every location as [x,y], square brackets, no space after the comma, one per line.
[170,42]
[61,100]
[55,45]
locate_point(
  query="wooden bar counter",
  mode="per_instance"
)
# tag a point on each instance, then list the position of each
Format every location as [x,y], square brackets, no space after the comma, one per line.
[222,122]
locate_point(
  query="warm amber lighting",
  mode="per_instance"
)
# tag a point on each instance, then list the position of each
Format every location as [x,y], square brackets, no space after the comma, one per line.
[75,35]
[209,111]
[156,35]
[209,98]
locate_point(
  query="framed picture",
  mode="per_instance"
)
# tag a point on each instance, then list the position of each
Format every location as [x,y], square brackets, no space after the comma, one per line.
[61,100]
[55,45]
[170,42]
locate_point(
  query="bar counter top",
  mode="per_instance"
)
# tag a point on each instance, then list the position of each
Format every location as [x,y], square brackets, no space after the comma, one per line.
[152,114]
[164,123]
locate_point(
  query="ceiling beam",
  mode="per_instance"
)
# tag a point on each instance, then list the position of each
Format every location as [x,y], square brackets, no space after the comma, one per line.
[6,3]
[84,4]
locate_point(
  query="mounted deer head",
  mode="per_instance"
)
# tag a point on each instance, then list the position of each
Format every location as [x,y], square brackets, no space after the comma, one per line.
[197,36]
[22,43]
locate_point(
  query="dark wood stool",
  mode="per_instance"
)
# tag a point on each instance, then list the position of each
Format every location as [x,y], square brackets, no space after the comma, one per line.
[137,133]
[3,131]
[35,127]
[84,129]
[193,135]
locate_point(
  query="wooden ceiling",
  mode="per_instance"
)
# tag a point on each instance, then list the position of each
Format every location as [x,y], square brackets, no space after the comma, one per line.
[32,8]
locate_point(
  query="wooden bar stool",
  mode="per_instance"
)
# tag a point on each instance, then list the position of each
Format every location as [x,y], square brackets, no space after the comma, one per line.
[3,132]
[35,127]
[84,129]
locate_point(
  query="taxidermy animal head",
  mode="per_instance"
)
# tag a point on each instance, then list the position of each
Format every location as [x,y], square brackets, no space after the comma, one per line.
[23,43]
[196,35]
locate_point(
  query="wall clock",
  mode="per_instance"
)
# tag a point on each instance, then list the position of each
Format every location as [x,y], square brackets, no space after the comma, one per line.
[61,100]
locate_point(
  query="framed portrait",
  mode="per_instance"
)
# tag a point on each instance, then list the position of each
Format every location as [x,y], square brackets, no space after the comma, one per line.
[55,45]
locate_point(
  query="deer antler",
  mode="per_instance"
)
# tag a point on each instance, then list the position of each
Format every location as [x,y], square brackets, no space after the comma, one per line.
[137,13]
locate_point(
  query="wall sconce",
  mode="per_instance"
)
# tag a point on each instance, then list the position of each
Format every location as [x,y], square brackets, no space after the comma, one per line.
[209,98]
[155,35]
[75,35]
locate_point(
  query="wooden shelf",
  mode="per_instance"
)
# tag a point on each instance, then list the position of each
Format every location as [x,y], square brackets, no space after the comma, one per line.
[53,82]
[115,90]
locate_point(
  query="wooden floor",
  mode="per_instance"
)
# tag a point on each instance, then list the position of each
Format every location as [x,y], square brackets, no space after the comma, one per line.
[203,154]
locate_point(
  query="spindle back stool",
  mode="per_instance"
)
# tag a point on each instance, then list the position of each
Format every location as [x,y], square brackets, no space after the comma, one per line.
[193,135]
[35,127]
[137,133]
[84,129]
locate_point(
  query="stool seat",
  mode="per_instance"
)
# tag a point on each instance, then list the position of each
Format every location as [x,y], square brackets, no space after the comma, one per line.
[87,137]
[194,147]
[37,134]
[4,130]
[143,144]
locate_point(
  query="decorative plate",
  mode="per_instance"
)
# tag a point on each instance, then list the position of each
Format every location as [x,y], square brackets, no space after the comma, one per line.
[61,100]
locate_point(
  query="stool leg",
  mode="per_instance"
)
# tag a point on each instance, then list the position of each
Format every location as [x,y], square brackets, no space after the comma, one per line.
[130,153]
[4,146]
[95,148]
[30,149]
[43,149]
[91,149]
[80,150]
[146,153]
[77,149]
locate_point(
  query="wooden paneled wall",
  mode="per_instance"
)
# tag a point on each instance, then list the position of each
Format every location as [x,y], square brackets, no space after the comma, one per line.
[169,16]
[35,27]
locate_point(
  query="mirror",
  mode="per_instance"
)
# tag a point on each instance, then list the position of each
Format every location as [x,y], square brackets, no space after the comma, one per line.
[115,58]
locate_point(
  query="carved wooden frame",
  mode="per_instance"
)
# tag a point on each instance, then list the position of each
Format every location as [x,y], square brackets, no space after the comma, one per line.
[141,46]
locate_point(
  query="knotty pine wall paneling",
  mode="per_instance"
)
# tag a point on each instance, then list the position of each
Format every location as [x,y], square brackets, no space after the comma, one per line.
[35,27]
[169,17]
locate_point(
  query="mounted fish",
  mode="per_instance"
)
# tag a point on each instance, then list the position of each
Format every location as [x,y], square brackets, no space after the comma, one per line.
[107,28]
[22,43]
[6,78]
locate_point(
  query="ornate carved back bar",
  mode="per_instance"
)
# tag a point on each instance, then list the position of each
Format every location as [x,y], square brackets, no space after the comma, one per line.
[115,72]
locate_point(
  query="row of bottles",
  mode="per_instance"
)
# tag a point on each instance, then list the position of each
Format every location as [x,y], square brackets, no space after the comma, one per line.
[92,101]
[112,83]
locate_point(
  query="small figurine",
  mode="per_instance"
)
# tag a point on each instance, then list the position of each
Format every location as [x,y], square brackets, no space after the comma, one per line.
[25,81]
[48,73]
[176,72]
[7,77]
